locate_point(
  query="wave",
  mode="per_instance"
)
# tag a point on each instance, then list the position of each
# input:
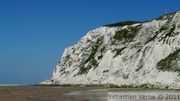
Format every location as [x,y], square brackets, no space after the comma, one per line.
[13,84]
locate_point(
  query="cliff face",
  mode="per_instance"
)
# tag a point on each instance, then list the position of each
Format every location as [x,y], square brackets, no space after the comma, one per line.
[125,53]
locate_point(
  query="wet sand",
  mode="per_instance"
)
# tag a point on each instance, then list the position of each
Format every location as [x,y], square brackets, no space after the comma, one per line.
[39,93]
[56,93]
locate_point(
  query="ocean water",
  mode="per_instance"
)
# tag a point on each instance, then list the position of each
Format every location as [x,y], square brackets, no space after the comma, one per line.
[13,84]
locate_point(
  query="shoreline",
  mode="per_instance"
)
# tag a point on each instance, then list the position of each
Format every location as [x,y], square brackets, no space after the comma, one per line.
[142,86]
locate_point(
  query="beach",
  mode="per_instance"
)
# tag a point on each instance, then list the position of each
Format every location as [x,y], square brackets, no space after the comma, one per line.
[39,93]
[58,93]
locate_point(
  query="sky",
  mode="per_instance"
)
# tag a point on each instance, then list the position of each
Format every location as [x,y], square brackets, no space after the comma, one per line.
[34,33]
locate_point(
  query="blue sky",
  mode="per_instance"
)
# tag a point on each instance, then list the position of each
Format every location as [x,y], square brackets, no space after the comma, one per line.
[34,33]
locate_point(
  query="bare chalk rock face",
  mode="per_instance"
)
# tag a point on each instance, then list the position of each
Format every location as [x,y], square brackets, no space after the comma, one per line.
[125,53]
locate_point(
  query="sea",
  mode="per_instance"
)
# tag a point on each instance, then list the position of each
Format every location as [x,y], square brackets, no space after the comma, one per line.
[13,84]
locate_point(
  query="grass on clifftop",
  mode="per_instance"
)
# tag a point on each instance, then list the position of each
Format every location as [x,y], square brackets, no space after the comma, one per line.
[120,24]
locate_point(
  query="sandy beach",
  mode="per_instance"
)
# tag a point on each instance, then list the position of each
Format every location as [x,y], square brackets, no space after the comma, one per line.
[39,93]
[57,93]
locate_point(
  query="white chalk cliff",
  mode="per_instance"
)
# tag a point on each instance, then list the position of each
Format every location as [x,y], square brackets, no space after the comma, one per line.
[125,53]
